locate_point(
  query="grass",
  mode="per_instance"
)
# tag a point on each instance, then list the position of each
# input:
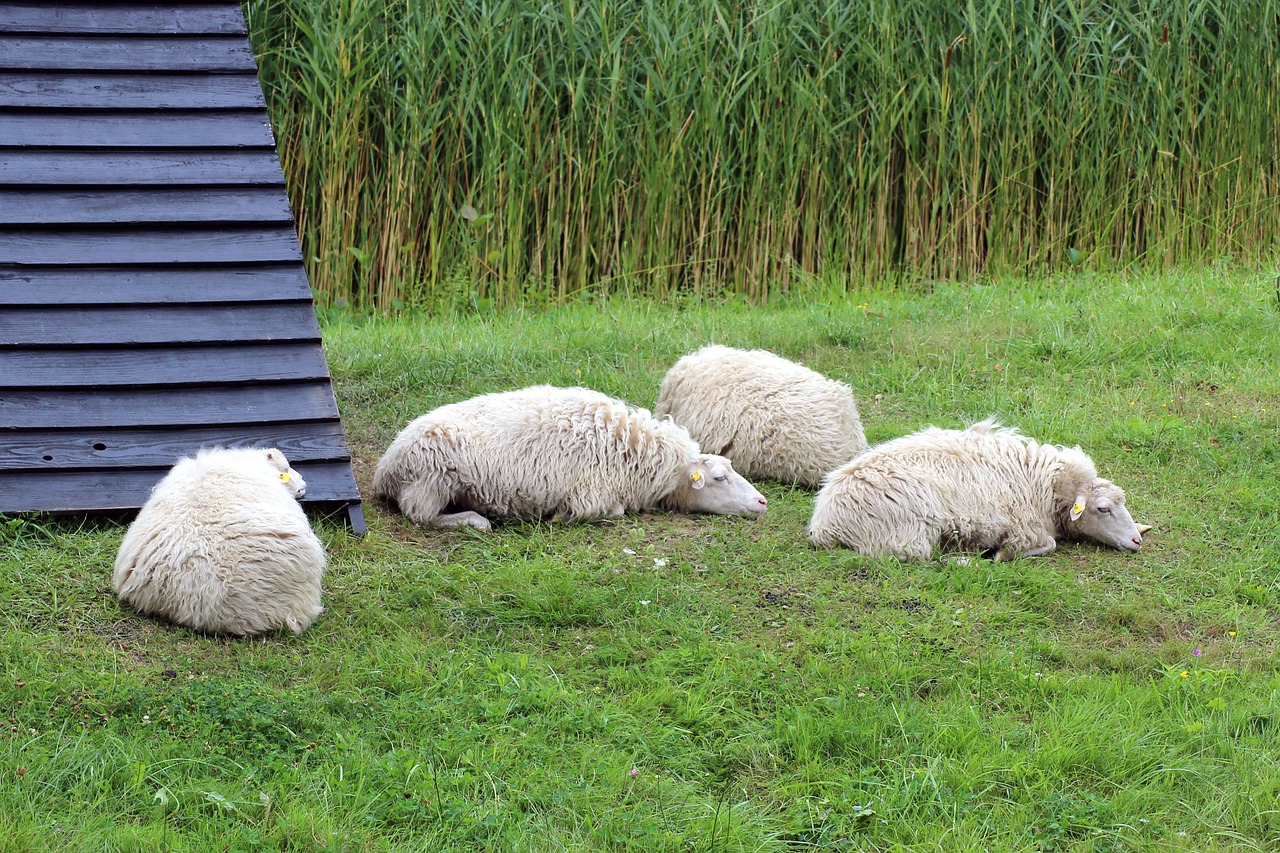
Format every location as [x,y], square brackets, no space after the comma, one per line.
[665,682]
[442,153]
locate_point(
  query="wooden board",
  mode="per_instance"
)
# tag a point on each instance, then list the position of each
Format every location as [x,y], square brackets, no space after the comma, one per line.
[208,245]
[170,285]
[138,366]
[92,408]
[115,447]
[137,129]
[149,53]
[67,206]
[152,293]
[123,18]
[156,324]
[128,91]
[112,167]
[115,489]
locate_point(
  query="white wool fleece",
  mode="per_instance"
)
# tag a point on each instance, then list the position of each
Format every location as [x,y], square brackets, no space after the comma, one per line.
[774,418]
[983,488]
[546,452]
[222,546]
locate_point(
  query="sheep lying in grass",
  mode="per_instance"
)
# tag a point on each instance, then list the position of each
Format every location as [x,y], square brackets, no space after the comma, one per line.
[568,453]
[774,418]
[986,488]
[222,546]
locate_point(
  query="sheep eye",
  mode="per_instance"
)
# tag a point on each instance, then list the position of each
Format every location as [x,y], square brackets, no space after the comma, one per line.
[1104,509]
[721,478]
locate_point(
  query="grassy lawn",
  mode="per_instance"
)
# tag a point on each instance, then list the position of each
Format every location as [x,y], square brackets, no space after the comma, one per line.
[665,682]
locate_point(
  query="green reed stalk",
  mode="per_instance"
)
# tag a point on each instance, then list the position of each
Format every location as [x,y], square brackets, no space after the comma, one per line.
[714,146]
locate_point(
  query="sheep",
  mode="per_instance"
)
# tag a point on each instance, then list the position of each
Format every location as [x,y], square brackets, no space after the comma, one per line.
[774,418]
[570,454]
[222,546]
[985,488]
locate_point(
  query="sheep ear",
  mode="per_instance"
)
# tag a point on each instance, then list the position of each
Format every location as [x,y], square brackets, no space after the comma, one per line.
[1077,508]
[696,479]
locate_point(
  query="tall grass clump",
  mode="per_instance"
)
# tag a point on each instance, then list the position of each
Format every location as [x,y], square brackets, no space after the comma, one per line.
[442,152]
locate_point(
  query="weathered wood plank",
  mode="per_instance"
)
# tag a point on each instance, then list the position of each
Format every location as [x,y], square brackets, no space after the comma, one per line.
[136,129]
[73,90]
[97,491]
[57,206]
[142,366]
[41,450]
[125,53]
[87,286]
[175,19]
[154,324]
[213,244]
[26,166]
[191,406]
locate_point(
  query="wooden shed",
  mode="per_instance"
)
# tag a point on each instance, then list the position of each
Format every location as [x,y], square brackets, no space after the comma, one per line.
[153,298]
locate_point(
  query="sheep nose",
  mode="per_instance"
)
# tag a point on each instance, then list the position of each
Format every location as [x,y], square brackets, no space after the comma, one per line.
[1137,542]
[763,501]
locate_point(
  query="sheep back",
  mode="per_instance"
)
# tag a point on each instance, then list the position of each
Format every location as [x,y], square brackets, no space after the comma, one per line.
[774,418]
[982,488]
[222,546]
[543,451]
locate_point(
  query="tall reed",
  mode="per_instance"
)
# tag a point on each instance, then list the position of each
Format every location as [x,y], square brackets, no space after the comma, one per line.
[457,151]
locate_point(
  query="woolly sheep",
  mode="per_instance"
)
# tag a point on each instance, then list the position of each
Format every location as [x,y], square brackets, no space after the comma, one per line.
[222,546]
[568,453]
[774,418]
[983,488]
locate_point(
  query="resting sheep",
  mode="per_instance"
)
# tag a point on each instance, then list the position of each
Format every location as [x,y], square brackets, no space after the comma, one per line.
[568,453]
[774,418]
[222,546]
[985,488]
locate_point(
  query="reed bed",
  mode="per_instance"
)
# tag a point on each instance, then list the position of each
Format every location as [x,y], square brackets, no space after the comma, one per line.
[459,153]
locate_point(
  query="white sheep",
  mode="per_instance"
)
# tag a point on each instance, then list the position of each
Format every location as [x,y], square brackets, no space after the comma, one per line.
[571,454]
[985,488]
[222,546]
[774,418]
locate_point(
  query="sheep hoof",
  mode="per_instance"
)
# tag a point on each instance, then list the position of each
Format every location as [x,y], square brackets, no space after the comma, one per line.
[462,519]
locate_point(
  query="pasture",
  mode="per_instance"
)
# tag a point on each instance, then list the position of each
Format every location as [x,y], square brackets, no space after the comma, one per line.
[667,682]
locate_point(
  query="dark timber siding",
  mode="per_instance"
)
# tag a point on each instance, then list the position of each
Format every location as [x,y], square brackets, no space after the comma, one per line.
[152,293]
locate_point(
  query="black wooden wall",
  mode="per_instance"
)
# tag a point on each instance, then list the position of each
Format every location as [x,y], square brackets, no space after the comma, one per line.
[152,294]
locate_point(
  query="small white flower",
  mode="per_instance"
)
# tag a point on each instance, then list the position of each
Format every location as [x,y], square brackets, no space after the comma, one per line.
[646,602]
[630,551]
[658,562]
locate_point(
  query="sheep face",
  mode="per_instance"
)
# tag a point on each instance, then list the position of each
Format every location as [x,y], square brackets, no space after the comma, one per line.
[711,485]
[291,479]
[1100,515]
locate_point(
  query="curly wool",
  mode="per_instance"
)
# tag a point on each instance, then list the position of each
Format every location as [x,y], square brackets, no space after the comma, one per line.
[774,418]
[222,546]
[539,452]
[983,488]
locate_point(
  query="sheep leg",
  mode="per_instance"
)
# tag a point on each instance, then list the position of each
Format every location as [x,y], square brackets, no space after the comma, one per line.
[461,519]
[422,501]
[1008,553]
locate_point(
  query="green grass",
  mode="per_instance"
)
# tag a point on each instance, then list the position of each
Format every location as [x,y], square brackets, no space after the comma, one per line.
[710,146]
[665,682]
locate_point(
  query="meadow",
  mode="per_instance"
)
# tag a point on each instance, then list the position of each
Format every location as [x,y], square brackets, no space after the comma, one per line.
[684,683]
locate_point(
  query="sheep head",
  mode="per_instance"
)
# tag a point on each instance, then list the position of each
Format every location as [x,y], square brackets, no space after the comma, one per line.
[709,484]
[1099,514]
[290,478]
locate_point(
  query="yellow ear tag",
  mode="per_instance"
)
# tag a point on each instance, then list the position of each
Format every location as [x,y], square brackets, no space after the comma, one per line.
[1076,509]
[695,476]
[284,476]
